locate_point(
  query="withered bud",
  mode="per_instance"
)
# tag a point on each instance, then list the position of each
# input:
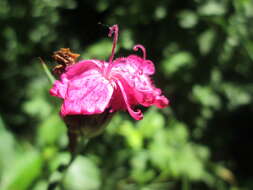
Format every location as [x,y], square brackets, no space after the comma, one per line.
[64,57]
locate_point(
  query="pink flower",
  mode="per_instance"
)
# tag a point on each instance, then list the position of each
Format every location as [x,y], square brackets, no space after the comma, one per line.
[93,86]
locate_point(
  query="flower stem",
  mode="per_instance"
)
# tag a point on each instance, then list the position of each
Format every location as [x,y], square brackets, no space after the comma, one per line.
[62,169]
[185,183]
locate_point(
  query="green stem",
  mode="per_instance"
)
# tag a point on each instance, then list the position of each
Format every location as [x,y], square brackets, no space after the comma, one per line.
[185,183]
[63,168]
[46,70]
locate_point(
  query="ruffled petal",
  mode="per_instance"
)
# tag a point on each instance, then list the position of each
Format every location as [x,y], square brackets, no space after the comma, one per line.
[136,72]
[133,64]
[161,102]
[147,94]
[135,114]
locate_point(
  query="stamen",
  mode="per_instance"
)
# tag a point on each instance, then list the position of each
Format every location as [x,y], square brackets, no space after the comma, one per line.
[135,114]
[139,46]
[113,30]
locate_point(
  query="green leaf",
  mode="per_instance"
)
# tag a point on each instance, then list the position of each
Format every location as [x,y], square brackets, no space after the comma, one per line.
[177,61]
[83,174]
[212,8]
[23,172]
[8,148]
[133,137]
[187,19]
[152,122]
[160,12]
[206,96]
[127,39]
[237,95]
[139,171]
[206,41]
[51,130]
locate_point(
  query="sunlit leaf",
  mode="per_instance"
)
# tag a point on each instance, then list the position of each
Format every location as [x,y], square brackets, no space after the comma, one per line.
[212,7]
[51,130]
[177,61]
[206,41]
[23,172]
[83,174]
[187,19]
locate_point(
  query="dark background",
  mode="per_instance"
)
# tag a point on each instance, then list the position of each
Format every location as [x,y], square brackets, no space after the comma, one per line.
[203,52]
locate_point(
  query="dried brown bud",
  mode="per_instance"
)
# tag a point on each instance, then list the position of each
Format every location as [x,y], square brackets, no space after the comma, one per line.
[64,57]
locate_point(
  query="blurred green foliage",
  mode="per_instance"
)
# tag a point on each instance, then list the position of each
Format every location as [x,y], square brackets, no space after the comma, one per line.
[203,52]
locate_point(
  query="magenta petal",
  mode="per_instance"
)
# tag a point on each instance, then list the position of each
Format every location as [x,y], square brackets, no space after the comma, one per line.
[133,64]
[135,114]
[134,71]
[83,66]
[136,63]
[146,66]
[161,102]
[87,94]
[59,88]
